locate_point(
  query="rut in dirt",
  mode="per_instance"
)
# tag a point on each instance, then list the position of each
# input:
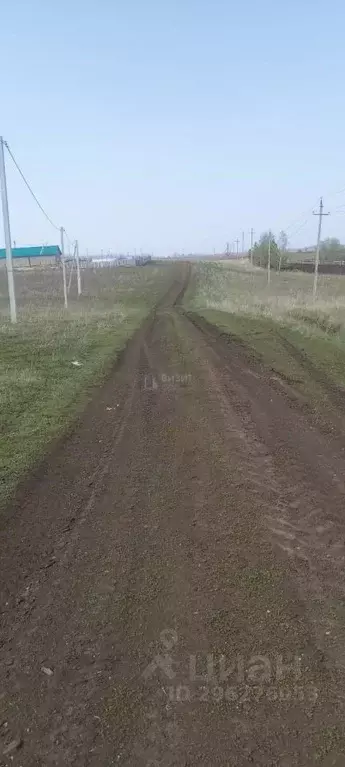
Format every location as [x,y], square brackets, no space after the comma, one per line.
[177,570]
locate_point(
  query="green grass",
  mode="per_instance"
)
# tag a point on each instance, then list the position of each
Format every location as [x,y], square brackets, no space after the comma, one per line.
[280,325]
[238,288]
[40,389]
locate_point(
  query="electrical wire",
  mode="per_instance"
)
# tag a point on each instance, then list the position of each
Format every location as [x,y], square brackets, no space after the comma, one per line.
[70,242]
[292,234]
[29,188]
[335,194]
[297,220]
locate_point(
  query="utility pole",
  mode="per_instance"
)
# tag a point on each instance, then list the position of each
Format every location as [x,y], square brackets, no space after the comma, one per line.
[7,233]
[320,214]
[237,244]
[251,245]
[242,243]
[62,231]
[227,250]
[269,261]
[78,266]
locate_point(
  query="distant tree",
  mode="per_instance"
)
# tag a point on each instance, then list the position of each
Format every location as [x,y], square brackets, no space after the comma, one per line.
[283,241]
[260,251]
[331,249]
[331,243]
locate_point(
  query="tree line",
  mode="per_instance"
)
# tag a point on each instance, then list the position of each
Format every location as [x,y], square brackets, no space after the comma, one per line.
[268,244]
[331,249]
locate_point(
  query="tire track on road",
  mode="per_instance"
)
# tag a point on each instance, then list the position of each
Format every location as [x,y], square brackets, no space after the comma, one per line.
[167,609]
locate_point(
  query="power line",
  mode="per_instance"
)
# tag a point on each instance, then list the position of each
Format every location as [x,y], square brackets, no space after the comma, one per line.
[70,242]
[339,207]
[295,231]
[29,188]
[335,194]
[297,220]
[336,210]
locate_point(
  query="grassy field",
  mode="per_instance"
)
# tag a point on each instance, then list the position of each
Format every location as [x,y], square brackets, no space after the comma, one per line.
[240,289]
[297,255]
[301,340]
[41,390]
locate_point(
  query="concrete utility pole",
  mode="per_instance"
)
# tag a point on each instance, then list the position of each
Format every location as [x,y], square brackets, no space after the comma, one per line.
[237,244]
[78,266]
[320,214]
[62,232]
[251,245]
[7,233]
[269,261]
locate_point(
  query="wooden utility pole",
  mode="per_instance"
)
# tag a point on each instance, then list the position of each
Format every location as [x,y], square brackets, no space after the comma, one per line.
[7,232]
[62,236]
[320,214]
[78,267]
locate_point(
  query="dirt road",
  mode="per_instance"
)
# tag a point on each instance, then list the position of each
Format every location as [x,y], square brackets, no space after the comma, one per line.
[173,588]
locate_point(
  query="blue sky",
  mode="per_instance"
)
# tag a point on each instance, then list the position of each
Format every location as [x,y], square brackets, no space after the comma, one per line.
[173,125]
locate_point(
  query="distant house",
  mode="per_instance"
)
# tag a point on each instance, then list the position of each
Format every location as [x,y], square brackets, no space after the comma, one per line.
[33,256]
